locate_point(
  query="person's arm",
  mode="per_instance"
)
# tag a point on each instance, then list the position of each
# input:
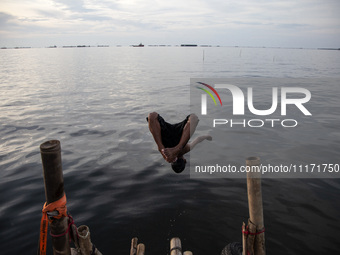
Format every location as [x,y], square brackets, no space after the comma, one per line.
[155,130]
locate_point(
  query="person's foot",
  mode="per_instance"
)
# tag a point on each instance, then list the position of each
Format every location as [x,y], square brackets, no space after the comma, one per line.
[204,137]
[207,137]
[170,154]
[161,151]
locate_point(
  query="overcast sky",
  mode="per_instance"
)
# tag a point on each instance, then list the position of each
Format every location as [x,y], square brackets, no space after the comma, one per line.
[271,23]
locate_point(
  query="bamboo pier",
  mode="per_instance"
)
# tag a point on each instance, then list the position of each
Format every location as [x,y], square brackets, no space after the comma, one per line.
[175,247]
[63,228]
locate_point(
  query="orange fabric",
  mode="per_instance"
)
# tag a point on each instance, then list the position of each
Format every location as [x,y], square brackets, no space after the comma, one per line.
[60,206]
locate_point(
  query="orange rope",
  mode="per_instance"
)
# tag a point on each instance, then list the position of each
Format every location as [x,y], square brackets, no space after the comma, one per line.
[60,206]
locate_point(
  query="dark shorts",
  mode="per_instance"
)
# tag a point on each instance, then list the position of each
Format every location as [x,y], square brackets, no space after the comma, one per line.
[171,133]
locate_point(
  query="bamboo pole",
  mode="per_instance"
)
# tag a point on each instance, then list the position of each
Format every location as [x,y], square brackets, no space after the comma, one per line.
[255,206]
[133,248]
[84,240]
[140,249]
[85,244]
[244,239]
[187,253]
[175,246]
[251,239]
[75,238]
[54,190]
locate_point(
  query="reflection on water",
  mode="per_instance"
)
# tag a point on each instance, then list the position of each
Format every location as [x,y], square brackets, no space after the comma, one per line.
[95,100]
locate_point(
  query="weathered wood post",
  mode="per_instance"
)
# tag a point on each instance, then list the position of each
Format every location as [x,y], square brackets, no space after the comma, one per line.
[175,246]
[54,190]
[84,240]
[255,224]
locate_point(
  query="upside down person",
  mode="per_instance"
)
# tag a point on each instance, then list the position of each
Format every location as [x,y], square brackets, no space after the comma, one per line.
[172,139]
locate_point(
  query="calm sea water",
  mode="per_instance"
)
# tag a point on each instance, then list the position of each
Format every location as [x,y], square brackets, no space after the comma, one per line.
[95,100]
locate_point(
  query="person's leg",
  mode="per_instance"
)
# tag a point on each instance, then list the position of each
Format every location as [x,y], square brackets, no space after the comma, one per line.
[188,130]
[155,130]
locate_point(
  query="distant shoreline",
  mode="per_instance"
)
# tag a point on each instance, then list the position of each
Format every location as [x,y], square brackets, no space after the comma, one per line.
[165,45]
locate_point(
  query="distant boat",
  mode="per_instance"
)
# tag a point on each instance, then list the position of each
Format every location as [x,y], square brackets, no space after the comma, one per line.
[139,45]
[188,45]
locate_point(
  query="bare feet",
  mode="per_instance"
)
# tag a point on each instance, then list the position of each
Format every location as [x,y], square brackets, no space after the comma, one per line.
[161,151]
[205,137]
[170,154]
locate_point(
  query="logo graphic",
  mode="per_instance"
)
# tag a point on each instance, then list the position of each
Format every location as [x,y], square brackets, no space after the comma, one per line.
[282,98]
[204,96]
[239,99]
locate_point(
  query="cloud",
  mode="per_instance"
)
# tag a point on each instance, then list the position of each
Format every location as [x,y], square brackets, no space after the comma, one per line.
[10,24]
[73,5]
[5,18]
